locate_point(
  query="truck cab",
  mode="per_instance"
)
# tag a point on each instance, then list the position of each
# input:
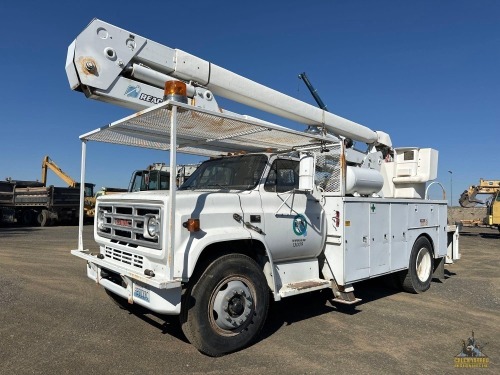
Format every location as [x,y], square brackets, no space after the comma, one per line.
[268,201]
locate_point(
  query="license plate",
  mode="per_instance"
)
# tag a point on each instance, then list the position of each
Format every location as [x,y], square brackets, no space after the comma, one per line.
[141,293]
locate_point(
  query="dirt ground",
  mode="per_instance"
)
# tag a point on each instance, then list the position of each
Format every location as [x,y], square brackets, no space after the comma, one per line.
[53,320]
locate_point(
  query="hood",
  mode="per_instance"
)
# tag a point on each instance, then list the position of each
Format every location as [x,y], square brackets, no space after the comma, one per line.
[160,195]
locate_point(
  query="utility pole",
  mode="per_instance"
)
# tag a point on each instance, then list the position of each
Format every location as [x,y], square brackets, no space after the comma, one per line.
[451,188]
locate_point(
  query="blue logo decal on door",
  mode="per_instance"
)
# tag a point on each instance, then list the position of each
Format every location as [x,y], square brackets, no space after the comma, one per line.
[299,225]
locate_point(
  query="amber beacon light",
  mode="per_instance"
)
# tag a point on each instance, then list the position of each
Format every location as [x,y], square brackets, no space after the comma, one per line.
[175,90]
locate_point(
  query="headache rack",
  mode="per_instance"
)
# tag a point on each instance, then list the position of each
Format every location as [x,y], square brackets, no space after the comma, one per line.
[177,127]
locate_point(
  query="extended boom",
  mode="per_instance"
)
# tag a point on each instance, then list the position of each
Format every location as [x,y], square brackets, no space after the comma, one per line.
[114,65]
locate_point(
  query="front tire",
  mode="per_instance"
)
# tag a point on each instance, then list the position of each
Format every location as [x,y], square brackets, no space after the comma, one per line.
[419,275]
[225,308]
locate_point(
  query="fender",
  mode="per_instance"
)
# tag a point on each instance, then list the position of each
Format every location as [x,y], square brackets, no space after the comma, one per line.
[187,255]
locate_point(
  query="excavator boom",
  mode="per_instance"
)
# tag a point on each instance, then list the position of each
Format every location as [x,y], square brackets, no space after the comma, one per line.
[47,163]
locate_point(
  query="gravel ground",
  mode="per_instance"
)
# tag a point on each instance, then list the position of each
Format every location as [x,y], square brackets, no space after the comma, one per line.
[53,320]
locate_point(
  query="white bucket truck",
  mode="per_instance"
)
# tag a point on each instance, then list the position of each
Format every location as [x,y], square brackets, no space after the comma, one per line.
[272,213]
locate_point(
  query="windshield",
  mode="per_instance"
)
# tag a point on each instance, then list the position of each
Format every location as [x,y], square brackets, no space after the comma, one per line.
[236,172]
[89,190]
[137,182]
[149,180]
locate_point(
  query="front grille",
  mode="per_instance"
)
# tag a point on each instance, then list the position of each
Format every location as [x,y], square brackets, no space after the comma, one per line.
[124,257]
[124,224]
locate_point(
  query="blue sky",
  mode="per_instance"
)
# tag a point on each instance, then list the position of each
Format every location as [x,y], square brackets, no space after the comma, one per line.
[426,72]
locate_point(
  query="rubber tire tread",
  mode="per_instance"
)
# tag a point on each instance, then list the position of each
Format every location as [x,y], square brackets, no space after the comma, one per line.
[43,218]
[411,283]
[195,299]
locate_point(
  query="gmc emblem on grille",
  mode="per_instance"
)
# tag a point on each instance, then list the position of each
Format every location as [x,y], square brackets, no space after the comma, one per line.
[123,222]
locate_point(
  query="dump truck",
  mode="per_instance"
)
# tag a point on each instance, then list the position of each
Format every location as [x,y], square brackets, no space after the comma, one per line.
[35,203]
[271,213]
[48,163]
[32,203]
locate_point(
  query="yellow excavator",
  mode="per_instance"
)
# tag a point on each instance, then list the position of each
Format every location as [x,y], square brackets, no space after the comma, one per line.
[491,188]
[48,163]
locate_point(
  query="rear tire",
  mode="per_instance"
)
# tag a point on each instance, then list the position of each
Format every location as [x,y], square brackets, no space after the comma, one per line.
[419,275]
[43,218]
[27,217]
[225,308]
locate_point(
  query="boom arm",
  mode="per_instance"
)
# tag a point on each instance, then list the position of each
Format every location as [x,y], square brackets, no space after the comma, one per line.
[48,163]
[113,65]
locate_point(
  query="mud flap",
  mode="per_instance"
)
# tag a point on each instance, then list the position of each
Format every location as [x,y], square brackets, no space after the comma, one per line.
[438,269]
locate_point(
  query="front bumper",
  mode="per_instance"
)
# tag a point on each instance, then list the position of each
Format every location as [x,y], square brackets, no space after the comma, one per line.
[159,295]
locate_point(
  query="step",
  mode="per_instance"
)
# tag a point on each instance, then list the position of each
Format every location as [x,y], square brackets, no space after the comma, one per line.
[346,298]
[303,286]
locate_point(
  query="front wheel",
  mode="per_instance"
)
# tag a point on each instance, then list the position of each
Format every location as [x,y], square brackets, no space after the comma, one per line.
[225,309]
[419,275]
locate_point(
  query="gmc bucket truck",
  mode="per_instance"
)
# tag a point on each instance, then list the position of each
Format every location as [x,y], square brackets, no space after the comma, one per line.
[273,212]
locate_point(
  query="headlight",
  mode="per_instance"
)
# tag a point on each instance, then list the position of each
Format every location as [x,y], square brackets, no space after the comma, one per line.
[100,220]
[153,226]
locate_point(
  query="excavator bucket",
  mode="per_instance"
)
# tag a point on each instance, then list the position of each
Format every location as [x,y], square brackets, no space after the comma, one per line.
[468,199]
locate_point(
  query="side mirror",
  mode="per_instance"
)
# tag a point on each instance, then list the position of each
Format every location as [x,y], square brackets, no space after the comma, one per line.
[306,172]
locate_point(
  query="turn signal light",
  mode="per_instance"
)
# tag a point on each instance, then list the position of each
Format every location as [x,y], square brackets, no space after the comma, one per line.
[175,90]
[192,225]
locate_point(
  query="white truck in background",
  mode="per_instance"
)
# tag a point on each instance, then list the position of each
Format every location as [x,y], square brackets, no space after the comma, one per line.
[273,213]
[157,177]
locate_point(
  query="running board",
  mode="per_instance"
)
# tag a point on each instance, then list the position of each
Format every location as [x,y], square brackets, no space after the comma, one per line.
[303,287]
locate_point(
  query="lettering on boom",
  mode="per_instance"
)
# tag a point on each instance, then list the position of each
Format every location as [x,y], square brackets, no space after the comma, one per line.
[150,98]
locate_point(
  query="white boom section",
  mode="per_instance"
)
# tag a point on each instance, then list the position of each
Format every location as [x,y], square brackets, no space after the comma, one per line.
[113,65]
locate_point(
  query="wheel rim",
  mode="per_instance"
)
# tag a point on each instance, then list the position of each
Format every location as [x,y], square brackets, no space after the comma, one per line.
[231,306]
[423,264]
